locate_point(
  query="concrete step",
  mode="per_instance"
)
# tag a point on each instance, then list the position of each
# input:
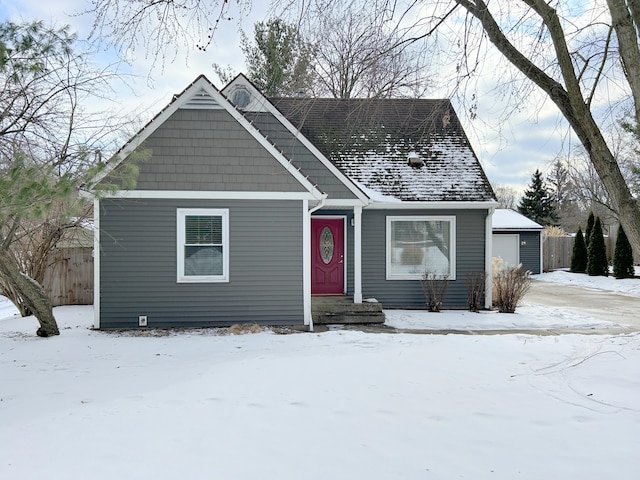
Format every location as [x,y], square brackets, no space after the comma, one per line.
[342,310]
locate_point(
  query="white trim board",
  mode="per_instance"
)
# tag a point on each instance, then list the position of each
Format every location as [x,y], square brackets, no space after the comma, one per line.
[206,195]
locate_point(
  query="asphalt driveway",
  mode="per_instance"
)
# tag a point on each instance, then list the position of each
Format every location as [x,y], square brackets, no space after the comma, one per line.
[610,306]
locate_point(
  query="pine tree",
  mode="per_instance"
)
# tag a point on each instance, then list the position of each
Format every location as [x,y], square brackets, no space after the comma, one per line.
[587,233]
[579,254]
[279,61]
[537,202]
[623,257]
[597,264]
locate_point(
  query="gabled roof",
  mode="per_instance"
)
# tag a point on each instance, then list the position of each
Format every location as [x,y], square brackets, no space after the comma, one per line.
[201,94]
[370,140]
[506,219]
[295,146]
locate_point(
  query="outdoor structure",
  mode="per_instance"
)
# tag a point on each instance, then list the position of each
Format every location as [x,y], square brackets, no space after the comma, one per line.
[69,277]
[248,207]
[517,239]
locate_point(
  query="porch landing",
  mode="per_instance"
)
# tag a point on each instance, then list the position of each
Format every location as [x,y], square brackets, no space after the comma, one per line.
[341,310]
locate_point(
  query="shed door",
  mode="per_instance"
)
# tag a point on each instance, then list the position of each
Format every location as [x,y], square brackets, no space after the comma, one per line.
[327,256]
[507,246]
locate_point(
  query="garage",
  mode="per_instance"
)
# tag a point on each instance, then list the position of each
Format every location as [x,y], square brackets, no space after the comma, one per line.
[517,239]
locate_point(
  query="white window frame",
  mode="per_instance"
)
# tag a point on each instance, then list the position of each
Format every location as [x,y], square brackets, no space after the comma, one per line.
[182,213]
[452,245]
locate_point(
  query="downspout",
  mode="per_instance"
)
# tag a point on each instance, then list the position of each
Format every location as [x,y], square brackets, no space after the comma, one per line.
[85,194]
[307,257]
[488,285]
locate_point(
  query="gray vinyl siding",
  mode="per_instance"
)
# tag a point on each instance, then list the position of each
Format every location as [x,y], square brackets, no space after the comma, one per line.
[208,150]
[529,250]
[300,155]
[138,265]
[470,258]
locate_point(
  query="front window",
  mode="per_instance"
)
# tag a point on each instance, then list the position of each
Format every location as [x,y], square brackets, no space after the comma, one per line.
[419,245]
[203,245]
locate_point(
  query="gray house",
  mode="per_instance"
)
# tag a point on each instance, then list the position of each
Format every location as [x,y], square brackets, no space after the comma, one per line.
[249,207]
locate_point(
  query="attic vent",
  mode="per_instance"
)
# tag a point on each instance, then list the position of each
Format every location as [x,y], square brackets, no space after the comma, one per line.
[414,160]
[201,100]
[241,98]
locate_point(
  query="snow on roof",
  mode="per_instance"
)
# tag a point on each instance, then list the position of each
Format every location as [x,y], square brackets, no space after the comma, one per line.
[370,140]
[506,219]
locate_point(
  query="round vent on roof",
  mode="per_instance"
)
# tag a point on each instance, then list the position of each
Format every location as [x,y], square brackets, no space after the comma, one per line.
[241,98]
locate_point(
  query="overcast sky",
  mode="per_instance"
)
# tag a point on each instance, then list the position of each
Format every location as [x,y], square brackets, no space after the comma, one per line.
[509,151]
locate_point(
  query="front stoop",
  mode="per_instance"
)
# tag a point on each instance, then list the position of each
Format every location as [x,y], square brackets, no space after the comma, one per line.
[341,310]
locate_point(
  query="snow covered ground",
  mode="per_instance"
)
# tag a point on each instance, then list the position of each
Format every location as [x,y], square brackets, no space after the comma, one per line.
[340,404]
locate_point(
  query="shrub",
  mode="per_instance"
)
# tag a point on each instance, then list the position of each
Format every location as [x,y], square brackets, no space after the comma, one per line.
[579,254]
[475,290]
[434,288]
[510,285]
[623,257]
[597,264]
[554,231]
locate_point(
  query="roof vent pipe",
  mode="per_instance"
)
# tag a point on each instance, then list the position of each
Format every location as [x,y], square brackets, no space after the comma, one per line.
[414,160]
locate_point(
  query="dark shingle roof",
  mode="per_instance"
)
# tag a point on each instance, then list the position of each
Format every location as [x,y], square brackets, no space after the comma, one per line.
[370,139]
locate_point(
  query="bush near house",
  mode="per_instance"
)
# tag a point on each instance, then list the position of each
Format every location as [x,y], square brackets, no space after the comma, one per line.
[434,288]
[510,284]
[476,282]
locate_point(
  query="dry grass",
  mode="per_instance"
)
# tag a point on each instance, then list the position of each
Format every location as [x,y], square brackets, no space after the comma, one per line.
[554,231]
[245,328]
[238,329]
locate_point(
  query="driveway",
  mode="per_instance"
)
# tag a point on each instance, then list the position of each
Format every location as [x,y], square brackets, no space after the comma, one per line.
[610,306]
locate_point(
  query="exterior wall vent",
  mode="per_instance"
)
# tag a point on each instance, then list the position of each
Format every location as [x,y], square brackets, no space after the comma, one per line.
[201,100]
[414,160]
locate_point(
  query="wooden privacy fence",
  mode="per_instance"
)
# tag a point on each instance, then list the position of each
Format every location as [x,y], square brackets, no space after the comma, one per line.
[69,278]
[556,251]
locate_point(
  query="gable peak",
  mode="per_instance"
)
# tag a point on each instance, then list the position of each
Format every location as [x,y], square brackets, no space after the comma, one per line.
[200,98]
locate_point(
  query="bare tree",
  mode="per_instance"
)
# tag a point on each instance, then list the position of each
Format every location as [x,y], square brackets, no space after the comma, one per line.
[566,195]
[507,196]
[160,25]
[582,56]
[48,146]
[361,51]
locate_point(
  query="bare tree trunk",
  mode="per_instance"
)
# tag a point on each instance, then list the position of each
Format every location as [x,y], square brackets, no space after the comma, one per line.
[623,24]
[32,293]
[571,103]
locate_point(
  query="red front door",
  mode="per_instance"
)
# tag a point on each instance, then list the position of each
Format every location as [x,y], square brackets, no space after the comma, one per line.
[327,256]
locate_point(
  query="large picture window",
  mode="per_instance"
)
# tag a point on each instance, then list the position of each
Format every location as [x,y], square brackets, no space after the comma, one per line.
[203,245]
[419,245]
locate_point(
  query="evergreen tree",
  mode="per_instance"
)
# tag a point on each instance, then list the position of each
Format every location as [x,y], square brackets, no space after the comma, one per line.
[579,254]
[279,61]
[587,233]
[623,257]
[537,202]
[597,264]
